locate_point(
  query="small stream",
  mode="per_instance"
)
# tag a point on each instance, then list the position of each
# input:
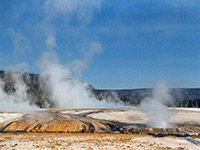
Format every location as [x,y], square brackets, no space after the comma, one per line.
[191,140]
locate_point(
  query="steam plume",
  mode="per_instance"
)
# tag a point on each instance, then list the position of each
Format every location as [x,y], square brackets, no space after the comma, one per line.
[63,81]
[65,90]
[155,109]
[16,100]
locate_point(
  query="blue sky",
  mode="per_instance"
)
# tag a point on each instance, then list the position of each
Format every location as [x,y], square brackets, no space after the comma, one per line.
[142,42]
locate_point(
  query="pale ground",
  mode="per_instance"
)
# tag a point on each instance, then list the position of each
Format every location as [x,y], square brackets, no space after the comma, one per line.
[124,115]
[76,111]
[134,115]
[93,142]
[102,141]
[5,118]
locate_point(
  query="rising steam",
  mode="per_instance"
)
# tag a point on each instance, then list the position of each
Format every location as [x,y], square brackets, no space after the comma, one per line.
[66,90]
[62,80]
[62,83]
[155,109]
[16,100]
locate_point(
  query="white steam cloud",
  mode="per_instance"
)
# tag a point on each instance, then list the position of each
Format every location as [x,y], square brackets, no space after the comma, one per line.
[78,66]
[155,109]
[50,42]
[63,81]
[21,44]
[65,90]
[16,100]
[83,10]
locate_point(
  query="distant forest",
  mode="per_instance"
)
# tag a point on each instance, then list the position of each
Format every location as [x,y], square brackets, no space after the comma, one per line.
[39,95]
[181,97]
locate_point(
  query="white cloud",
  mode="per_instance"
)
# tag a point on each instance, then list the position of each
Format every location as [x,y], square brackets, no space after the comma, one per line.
[69,6]
[82,9]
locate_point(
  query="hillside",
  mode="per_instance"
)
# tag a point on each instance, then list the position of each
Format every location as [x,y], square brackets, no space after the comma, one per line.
[182,97]
[38,93]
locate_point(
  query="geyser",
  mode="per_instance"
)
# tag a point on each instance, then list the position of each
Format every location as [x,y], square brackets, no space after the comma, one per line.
[155,109]
[64,88]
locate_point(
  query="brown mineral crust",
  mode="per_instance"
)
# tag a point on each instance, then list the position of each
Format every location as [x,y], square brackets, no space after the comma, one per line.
[56,122]
[64,126]
[18,126]
[183,130]
[33,127]
[107,126]
[68,126]
[192,129]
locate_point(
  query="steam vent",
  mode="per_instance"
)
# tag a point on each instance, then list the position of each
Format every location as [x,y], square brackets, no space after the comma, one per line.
[128,120]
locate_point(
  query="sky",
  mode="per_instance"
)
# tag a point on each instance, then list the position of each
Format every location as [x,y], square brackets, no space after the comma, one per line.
[118,44]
